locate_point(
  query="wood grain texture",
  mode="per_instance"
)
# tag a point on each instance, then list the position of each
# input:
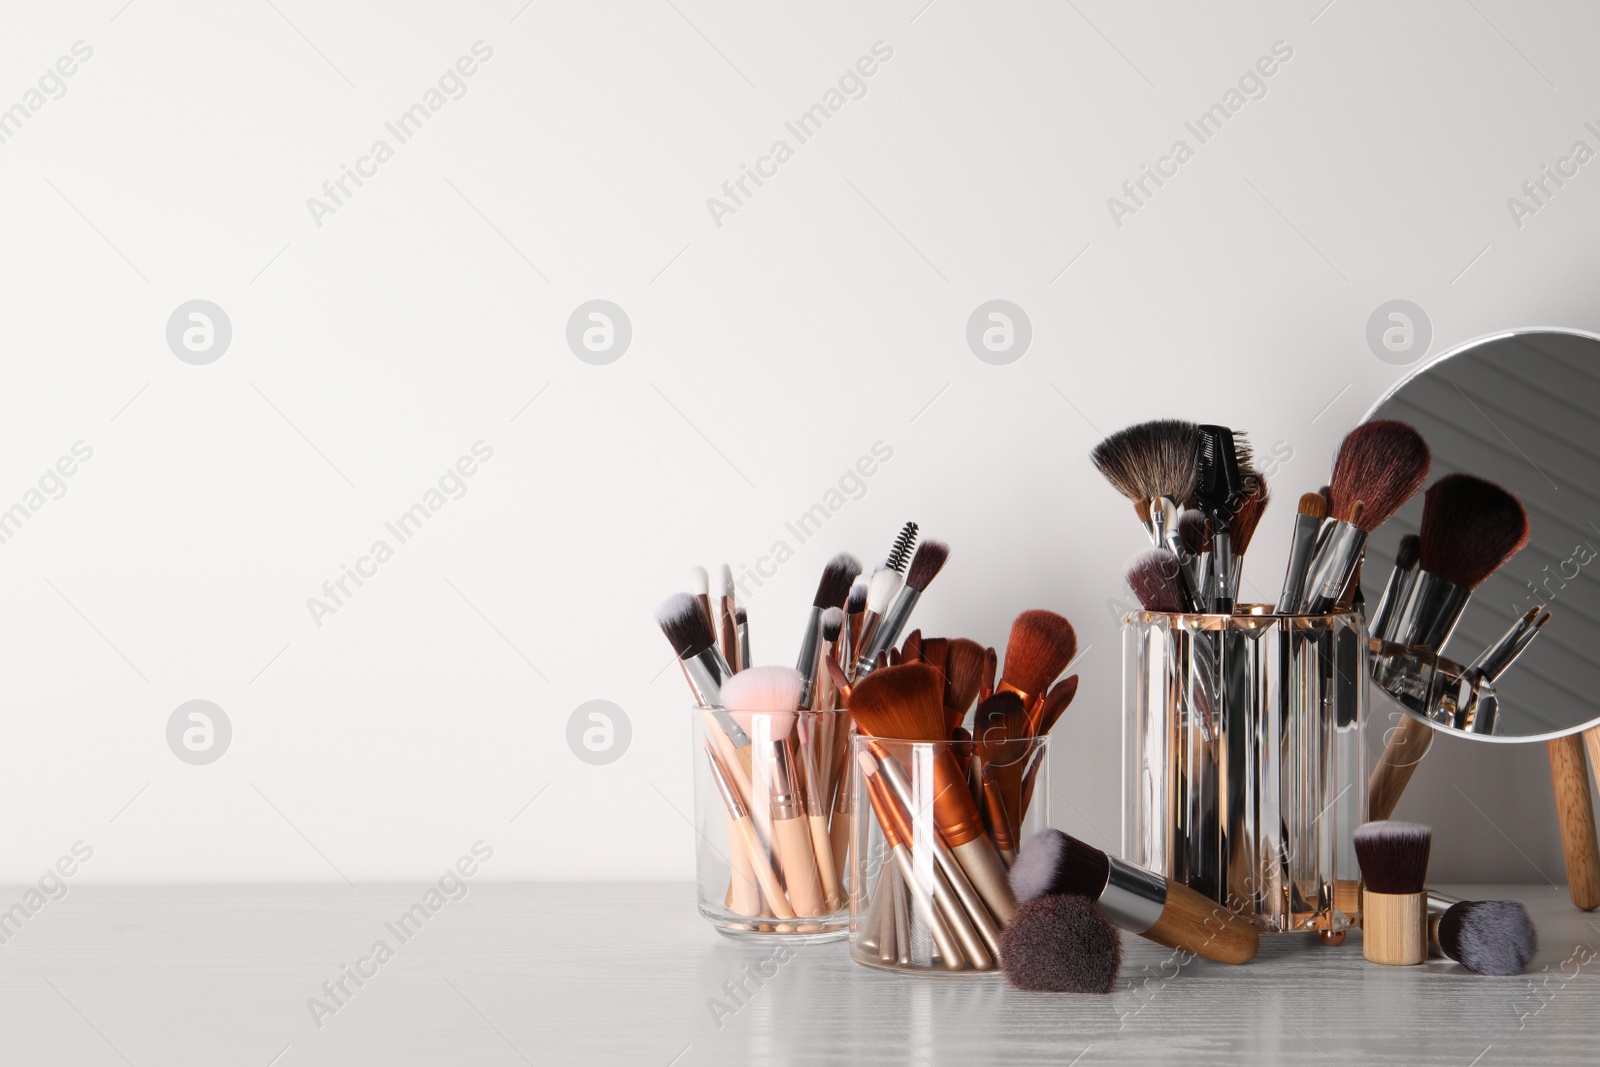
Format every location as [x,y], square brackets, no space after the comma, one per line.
[594,974]
[1394,928]
[1569,774]
[1401,755]
[1198,924]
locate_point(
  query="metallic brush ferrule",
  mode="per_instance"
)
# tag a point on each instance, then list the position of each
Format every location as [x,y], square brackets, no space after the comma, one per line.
[1222,572]
[806,663]
[1134,898]
[706,673]
[1431,612]
[744,646]
[1301,549]
[1498,657]
[1331,568]
[1396,591]
[888,630]
[786,800]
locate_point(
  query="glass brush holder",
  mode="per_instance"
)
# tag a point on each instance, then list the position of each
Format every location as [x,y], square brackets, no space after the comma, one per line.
[772,820]
[1244,762]
[937,826]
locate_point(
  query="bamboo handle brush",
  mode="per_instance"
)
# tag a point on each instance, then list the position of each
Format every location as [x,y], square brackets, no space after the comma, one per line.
[1406,746]
[1575,812]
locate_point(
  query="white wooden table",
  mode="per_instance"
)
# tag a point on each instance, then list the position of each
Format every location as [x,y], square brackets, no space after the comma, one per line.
[581,974]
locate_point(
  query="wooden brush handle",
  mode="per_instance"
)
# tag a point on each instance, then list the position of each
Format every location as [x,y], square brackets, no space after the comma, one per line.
[743,895]
[799,866]
[822,845]
[987,871]
[1406,747]
[1394,928]
[765,875]
[1575,811]
[1197,924]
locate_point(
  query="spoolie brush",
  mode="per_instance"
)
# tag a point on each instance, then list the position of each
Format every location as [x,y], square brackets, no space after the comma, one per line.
[1470,529]
[832,590]
[1394,909]
[925,566]
[1379,467]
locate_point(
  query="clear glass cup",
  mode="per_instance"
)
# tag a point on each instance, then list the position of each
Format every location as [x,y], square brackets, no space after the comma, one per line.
[936,828]
[772,815]
[1244,761]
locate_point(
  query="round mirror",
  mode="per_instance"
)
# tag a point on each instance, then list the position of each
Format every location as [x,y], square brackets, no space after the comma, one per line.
[1521,409]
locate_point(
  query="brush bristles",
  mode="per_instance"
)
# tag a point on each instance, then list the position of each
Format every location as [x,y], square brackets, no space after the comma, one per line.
[832,624]
[1052,862]
[885,584]
[856,603]
[1410,550]
[1158,458]
[725,579]
[1194,531]
[1393,856]
[963,673]
[685,625]
[1315,505]
[1489,936]
[1470,529]
[1041,645]
[837,576]
[927,563]
[741,617]
[1061,945]
[763,700]
[1155,577]
[1382,464]
[1247,512]
[1001,729]
[904,702]
[900,551]
[699,581]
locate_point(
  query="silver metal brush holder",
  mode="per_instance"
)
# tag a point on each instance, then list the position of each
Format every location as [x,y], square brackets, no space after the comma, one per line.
[1244,761]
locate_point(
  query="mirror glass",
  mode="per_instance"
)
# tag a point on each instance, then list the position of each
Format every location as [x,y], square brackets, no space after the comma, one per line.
[1522,410]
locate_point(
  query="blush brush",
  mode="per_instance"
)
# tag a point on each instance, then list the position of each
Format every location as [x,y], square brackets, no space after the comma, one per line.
[1040,646]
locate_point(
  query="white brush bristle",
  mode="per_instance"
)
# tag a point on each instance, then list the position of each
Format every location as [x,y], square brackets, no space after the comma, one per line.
[763,700]
[881,590]
[726,579]
[1035,870]
[699,581]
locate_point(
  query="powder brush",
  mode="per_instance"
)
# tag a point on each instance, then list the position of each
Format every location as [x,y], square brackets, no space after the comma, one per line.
[1061,944]
[1040,646]
[1394,911]
[1485,936]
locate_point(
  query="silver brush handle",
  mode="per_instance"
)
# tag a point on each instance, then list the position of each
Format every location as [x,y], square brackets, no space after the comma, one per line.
[888,631]
[1301,550]
[806,663]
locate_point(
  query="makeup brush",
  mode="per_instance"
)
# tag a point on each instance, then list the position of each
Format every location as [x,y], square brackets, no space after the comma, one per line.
[855,610]
[963,677]
[1061,944]
[1394,909]
[1219,485]
[749,840]
[1380,466]
[900,552]
[1155,576]
[741,619]
[991,664]
[1002,740]
[925,566]
[1139,901]
[1055,703]
[1486,936]
[1470,529]
[1397,589]
[1247,512]
[824,695]
[689,631]
[881,590]
[1307,524]
[1151,461]
[1495,660]
[1040,646]
[1194,551]
[765,702]
[832,589]
[905,703]
[727,621]
[700,589]
[899,842]
[911,647]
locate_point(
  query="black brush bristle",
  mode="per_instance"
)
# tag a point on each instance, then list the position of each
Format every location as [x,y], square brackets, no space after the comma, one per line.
[1194,531]
[1489,936]
[1053,862]
[900,551]
[1470,529]
[832,624]
[1410,550]
[741,617]
[1155,577]
[834,586]
[927,563]
[685,625]
[1158,458]
[856,602]
[1394,856]
[1381,464]
[1060,944]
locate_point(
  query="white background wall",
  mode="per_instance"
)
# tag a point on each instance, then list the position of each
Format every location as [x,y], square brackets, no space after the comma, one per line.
[768,353]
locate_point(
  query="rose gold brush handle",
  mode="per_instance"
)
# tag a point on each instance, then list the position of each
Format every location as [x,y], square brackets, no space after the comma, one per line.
[766,877]
[1406,747]
[1575,811]
[744,896]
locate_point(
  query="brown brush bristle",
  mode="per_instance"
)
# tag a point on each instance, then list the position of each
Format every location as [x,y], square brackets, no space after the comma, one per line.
[1056,703]
[1061,945]
[1158,458]
[911,647]
[1470,528]
[1382,464]
[1000,729]
[1194,531]
[1247,512]
[834,587]
[1041,645]
[1314,504]
[904,702]
[1155,577]
[927,563]
[1052,862]
[1410,550]
[685,625]
[963,675]
[1393,856]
